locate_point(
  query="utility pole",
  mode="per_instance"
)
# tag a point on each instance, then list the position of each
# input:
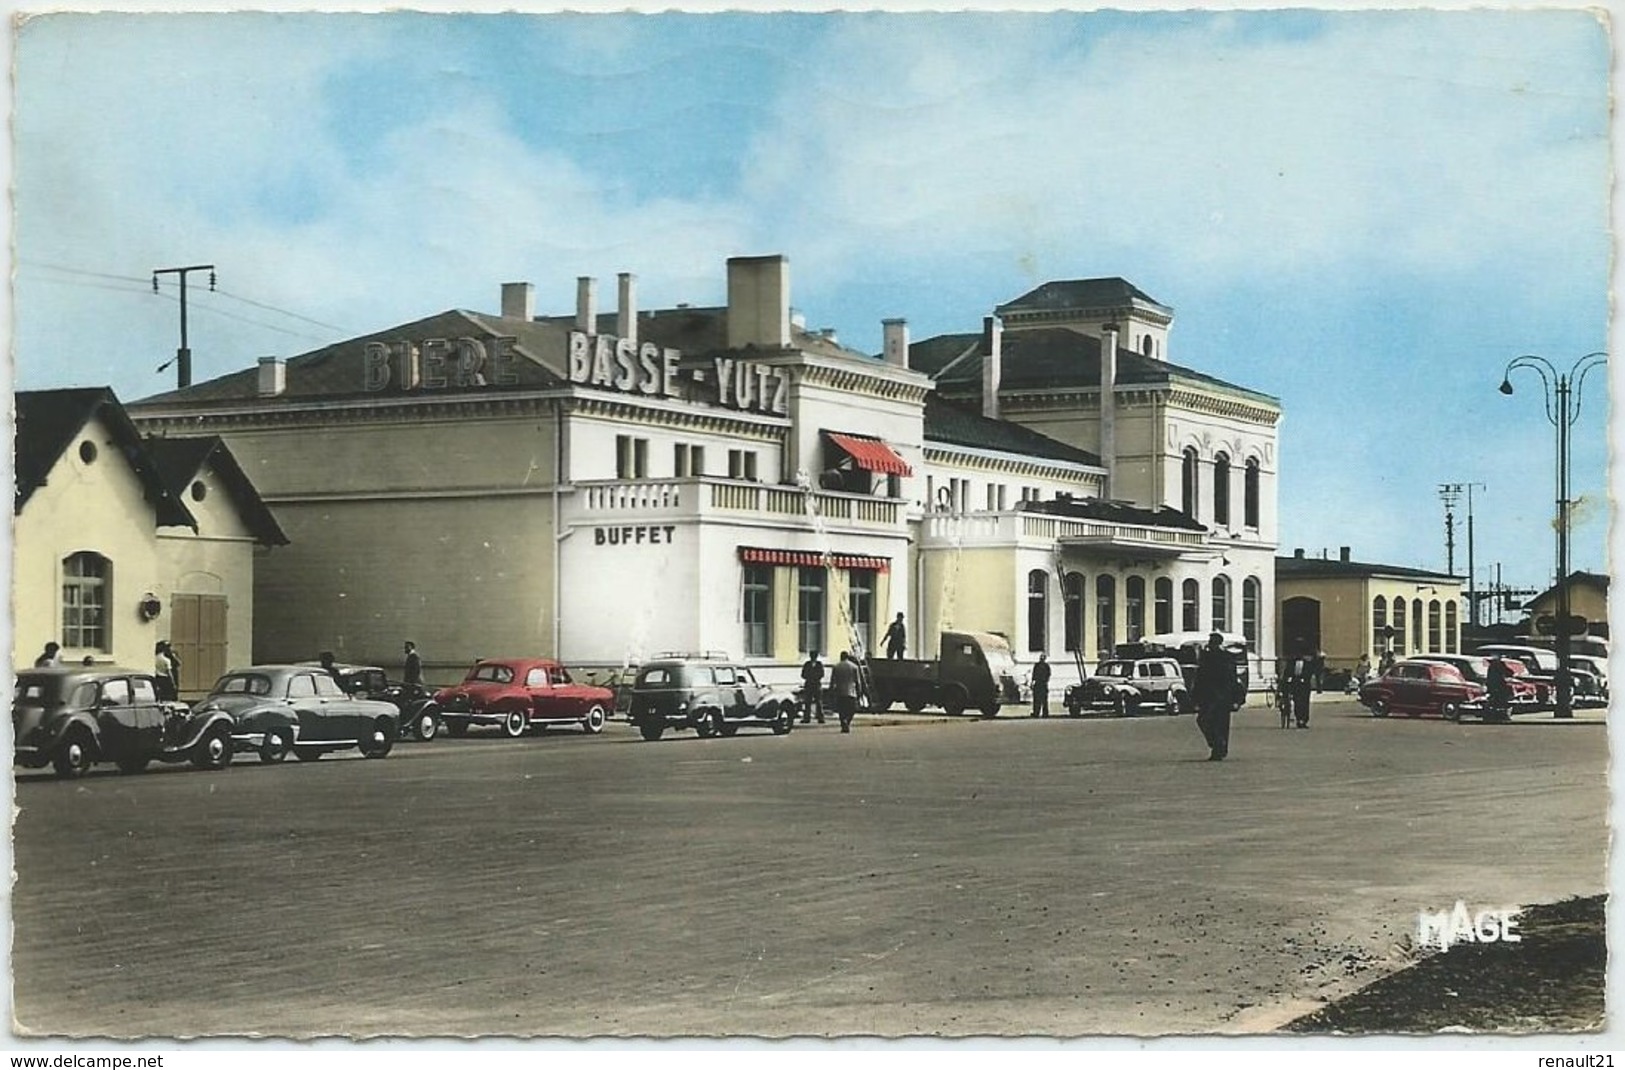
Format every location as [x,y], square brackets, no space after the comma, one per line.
[183,355]
[1449,493]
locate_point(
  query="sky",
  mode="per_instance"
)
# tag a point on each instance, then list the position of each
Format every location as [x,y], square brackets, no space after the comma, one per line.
[1366,214]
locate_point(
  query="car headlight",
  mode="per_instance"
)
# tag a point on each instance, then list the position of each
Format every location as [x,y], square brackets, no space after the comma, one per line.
[682,707]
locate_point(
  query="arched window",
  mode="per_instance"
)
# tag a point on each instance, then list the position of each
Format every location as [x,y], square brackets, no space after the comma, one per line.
[1379,624]
[1134,609]
[1450,626]
[1037,610]
[1435,640]
[1163,614]
[1190,606]
[1221,603]
[1221,489]
[1105,616]
[1251,593]
[1249,494]
[1145,345]
[1416,625]
[1188,483]
[87,580]
[1072,606]
[1399,646]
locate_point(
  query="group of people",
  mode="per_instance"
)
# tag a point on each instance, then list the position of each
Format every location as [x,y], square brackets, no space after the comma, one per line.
[845,684]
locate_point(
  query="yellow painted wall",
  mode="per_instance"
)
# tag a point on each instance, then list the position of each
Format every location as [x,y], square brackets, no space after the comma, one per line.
[217,560]
[1345,613]
[971,588]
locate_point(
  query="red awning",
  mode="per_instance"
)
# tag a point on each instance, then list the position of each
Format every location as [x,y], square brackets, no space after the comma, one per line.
[871,454]
[753,555]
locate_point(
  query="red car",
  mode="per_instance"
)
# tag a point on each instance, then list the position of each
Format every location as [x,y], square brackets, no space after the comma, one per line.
[1527,694]
[1423,687]
[520,694]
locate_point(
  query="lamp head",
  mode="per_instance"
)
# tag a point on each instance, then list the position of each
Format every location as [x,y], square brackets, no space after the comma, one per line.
[1506,385]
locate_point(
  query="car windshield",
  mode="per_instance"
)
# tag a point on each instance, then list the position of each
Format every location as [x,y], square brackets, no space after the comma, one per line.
[1117,668]
[243,683]
[663,676]
[500,674]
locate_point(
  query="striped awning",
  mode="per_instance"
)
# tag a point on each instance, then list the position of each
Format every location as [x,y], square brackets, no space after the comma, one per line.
[755,555]
[871,454]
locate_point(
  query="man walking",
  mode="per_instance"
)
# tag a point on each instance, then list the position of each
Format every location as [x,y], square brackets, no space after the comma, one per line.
[1041,687]
[1215,684]
[896,638]
[843,680]
[812,688]
[412,673]
[1299,684]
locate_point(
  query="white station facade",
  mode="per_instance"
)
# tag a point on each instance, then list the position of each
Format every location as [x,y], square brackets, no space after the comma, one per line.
[603,486]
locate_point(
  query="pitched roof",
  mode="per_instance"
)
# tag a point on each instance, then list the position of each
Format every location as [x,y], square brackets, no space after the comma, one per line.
[1595,580]
[48,421]
[1048,358]
[339,370]
[950,424]
[1081,295]
[179,461]
[1115,512]
[1328,568]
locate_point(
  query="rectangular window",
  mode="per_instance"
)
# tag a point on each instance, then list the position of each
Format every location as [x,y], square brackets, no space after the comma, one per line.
[631,457]
[810,610]
[1001,499]
[85,579]
[861,607]
[992,497]
[757,611]
[685,460]
[742,464]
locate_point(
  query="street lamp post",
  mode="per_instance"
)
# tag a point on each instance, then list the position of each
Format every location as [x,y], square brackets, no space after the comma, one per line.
[1562,397]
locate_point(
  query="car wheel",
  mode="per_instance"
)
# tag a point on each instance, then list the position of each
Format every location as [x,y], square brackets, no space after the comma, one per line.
[954,699]
[425,725]
[307,754]
[882,700]
[651,730]
[706,726]
[783,722]
[76,756]
[1074,709]
[133,765]
[1379,706]
[593,723]
[1450,711]
[214,749]
[275,746]
[1120,707]
[515,723]
[990,708]
[457,728]
[379,741]
[1171,707]
[914,705]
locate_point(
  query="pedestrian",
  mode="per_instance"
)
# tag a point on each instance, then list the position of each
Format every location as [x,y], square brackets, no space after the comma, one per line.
[51,657]
[1318,668]
[1041,687]
[332,669]
[166,671]
[1362,672]
[1299,684]
[412,671]
[843,681]
[1214,686]
[896,638]
[1385,663]
[1499,686]
[812,688]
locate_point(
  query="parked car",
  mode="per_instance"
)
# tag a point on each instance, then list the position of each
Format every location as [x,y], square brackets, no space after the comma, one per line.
[1527,695]
[972,670]
[620,683]
[1587,691]
[1186,648]
[1129,685]
[710,696]
[72,718]
[518,694]
[1417,687]
[420,717]
[300,709]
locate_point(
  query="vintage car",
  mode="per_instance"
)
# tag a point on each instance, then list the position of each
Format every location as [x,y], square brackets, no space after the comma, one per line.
[72,718]
[302,709]
[1527,695]
[519,694]
[1415,687]
[1186,648]
[1129,685]
[1586,689]
[713,697]
[420,717]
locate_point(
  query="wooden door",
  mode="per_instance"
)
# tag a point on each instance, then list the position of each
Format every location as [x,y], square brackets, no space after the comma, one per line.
[198,634]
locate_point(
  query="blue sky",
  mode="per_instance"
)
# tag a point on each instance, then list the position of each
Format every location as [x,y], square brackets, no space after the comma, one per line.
[1365,213]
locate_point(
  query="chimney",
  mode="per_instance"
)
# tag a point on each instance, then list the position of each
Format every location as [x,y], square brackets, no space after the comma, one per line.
[518,301]
[1343,554]
[992,364]
[759,302]
[587,304]
[626,313]
[1108,402]
[1298,553]
[273,377]
[895,346]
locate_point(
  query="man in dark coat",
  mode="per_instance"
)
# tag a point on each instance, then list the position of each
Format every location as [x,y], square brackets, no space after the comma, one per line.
[896,638]
[1041,687]
[1500,690]
[843,680]
[812,688]
[412,672]
[1215,687]
[1299,683]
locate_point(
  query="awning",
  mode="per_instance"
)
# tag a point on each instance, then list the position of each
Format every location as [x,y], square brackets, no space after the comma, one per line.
[871,454]
[753,555]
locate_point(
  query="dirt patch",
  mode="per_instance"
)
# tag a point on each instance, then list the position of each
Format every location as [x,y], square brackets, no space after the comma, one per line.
[1553,981]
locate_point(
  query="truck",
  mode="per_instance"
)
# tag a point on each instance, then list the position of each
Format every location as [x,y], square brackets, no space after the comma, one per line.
[972,670]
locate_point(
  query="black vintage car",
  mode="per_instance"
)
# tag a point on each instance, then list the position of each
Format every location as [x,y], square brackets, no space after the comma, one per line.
[713,697]
[72,718]
[420,717]
[299,708]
